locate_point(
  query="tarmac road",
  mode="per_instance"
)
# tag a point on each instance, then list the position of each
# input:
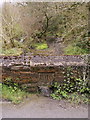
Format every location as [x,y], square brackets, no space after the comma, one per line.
[43,107]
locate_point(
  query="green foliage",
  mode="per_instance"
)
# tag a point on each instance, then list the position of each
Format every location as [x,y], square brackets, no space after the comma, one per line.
[0,51]
[13,94]
[18,44]
[0,90]
[75,50]
[17,31]
[12,34]
[71,88]
[10,82]
[41,46]
[71,93]
[78,98]
[79,47]
[13,31]
[84,44]
[66,21]
[12,51]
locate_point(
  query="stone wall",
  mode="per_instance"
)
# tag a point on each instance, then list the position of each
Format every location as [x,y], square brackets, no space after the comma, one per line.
[31,76]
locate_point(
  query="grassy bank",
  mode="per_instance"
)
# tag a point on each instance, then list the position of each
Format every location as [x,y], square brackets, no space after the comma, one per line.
[13,94]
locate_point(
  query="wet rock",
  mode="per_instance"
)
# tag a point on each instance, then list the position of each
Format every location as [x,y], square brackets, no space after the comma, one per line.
[44,90]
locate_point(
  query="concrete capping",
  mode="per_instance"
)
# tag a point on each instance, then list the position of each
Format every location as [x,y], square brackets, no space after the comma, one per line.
[65,60]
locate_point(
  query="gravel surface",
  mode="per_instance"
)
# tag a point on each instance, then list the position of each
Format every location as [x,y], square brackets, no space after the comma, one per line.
[43,107]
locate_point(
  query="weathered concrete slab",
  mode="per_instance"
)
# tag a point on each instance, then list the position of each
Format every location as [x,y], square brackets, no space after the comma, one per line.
[57,61]
[68,60]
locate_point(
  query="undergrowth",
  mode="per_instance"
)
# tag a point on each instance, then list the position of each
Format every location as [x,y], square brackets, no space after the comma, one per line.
[63,92]
[13,93]
[12,51]
[75,50]
[73,89]
[41,46]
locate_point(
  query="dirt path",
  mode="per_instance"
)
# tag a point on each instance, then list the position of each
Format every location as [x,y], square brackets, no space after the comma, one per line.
[43,107]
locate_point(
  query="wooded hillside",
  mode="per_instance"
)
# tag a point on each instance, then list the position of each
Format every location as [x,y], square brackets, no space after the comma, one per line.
[45,27]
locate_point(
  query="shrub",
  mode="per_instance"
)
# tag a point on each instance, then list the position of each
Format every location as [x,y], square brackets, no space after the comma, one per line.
[71,87]
[75,50]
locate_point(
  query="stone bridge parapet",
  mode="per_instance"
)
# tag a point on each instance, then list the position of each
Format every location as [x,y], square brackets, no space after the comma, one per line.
[33,71]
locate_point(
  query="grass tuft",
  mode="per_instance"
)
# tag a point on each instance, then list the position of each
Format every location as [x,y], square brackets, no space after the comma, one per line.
[14,94]
[41,46]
